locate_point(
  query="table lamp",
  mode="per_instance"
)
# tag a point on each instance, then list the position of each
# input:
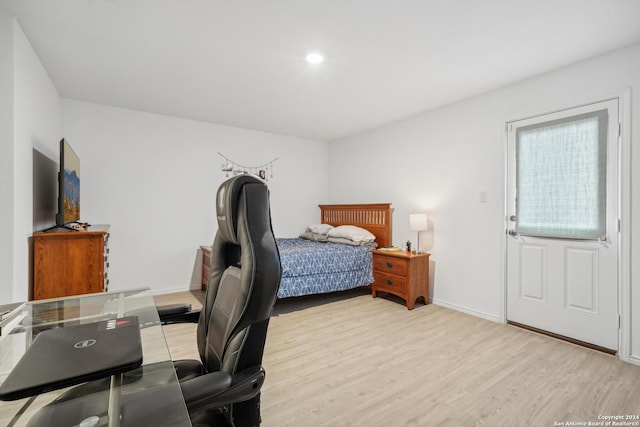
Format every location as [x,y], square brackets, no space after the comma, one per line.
[418,222]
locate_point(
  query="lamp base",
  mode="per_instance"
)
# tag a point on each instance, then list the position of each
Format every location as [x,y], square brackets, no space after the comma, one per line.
[419,251]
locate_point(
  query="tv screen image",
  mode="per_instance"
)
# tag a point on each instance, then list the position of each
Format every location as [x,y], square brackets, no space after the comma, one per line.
[69,185]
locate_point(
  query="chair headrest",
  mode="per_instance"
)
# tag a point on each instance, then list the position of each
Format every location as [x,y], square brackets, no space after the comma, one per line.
[227,201]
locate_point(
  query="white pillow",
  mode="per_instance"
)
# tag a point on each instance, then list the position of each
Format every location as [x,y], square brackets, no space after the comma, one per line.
[310,235]
[319,228]
[352,232]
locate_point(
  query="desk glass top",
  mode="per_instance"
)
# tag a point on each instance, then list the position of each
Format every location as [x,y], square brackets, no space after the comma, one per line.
[135,394]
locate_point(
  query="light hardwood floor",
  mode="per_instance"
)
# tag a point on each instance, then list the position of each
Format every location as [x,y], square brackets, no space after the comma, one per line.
[349,360]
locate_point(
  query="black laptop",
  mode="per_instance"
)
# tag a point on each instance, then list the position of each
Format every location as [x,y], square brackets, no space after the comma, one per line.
[63,357]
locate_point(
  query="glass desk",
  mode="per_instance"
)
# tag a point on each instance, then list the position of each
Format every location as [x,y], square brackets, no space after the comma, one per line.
[149,395]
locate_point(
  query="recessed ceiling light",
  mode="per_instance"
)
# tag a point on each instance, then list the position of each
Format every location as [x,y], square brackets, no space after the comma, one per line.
[314,58]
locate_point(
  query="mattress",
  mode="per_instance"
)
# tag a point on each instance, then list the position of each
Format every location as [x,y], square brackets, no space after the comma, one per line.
[312,268]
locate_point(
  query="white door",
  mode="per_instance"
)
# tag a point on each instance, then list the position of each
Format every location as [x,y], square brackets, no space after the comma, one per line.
[562,208]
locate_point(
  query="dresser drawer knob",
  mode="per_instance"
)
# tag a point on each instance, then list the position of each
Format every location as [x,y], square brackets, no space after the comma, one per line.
[389,282]
[389,264]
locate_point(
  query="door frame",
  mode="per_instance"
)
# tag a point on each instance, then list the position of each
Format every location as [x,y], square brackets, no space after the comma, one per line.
[624,216]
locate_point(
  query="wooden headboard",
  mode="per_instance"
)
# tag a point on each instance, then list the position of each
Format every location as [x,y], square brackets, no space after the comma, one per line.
[375,217]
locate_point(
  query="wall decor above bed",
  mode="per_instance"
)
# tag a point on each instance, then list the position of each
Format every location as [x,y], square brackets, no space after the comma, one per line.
[264,171]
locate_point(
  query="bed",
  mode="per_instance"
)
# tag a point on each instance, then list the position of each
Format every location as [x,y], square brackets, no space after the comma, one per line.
[310,267]
[314,268]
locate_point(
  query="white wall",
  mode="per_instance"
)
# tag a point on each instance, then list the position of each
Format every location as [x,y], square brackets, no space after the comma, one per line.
[154,179]
[439,161]
[37,125]
[29,118]
[6,158]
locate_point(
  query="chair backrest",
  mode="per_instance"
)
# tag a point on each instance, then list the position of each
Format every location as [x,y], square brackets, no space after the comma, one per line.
[243,280]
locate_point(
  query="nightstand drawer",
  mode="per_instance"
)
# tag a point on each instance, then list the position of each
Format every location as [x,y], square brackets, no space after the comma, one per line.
[388,264]
[390,283]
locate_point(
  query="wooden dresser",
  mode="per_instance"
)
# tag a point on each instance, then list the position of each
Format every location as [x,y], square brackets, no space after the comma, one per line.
[403,274]
[70,262]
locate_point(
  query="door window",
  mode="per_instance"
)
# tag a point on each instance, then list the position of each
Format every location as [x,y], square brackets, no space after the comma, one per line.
[561,177]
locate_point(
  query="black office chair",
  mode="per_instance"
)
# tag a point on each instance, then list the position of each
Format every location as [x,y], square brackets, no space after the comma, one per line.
[241,291]
[223,387]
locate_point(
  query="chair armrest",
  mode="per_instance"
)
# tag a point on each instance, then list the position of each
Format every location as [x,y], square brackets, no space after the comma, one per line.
[205,386]
[217,389]
[177,313]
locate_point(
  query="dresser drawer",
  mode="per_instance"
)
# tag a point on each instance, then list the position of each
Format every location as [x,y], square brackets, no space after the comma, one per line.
[388,264]
[390,283]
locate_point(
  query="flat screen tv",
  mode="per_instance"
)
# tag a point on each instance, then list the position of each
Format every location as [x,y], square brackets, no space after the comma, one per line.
[68,186]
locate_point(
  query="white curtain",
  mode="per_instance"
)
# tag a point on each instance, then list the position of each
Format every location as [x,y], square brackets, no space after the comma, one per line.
[561,177]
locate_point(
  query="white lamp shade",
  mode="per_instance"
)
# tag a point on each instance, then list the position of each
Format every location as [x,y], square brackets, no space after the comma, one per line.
[418,222]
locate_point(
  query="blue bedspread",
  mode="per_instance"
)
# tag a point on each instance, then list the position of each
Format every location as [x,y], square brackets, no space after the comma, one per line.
[313,268]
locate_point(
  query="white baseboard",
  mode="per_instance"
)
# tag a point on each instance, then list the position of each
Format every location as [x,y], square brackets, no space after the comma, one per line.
[634,359]
[466,310]
[170,291]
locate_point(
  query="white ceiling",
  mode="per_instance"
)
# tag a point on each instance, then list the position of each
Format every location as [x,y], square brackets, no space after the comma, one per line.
[241,62]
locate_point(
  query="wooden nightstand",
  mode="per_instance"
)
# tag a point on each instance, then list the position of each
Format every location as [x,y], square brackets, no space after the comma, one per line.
[206,263]
[401,273]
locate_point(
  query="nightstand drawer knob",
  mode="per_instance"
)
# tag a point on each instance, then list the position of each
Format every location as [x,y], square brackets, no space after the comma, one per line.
[389,282]
[389,264]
